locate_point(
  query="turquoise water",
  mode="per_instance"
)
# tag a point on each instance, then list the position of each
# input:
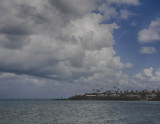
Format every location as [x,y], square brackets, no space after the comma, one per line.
[78,112]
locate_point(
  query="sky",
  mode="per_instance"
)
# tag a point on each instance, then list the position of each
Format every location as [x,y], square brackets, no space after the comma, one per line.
[59,48]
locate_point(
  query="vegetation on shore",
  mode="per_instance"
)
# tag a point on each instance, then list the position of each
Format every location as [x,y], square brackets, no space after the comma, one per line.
[149,95]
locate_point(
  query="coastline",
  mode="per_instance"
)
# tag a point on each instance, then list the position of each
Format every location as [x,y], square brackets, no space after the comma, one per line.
[143,95]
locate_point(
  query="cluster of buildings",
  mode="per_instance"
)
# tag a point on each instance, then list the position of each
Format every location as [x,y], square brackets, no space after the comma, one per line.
[123,95]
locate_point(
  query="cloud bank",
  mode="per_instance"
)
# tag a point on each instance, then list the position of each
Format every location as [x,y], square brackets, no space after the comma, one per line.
[60,45]
[55,39]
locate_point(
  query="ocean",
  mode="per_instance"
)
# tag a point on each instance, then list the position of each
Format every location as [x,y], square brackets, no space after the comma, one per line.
[78,112]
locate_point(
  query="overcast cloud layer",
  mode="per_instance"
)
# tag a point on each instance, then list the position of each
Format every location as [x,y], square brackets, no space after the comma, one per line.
[62,44]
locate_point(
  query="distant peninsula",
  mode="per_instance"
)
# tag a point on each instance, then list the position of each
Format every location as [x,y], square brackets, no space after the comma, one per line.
[137,95]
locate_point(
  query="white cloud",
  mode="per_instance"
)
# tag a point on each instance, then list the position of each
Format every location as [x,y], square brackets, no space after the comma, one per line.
[133,24]
[148,72]
[129,2]
[125,14]
[109,11]
[148,50]
[148,75]
[89,34]
[82,46]
[151,34]
[7,75]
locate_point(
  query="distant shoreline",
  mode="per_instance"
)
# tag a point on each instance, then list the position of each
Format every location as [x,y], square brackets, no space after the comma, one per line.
[143,95]
[67,99]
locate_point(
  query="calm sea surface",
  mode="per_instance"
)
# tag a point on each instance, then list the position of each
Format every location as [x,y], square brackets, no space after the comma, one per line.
[78,112]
